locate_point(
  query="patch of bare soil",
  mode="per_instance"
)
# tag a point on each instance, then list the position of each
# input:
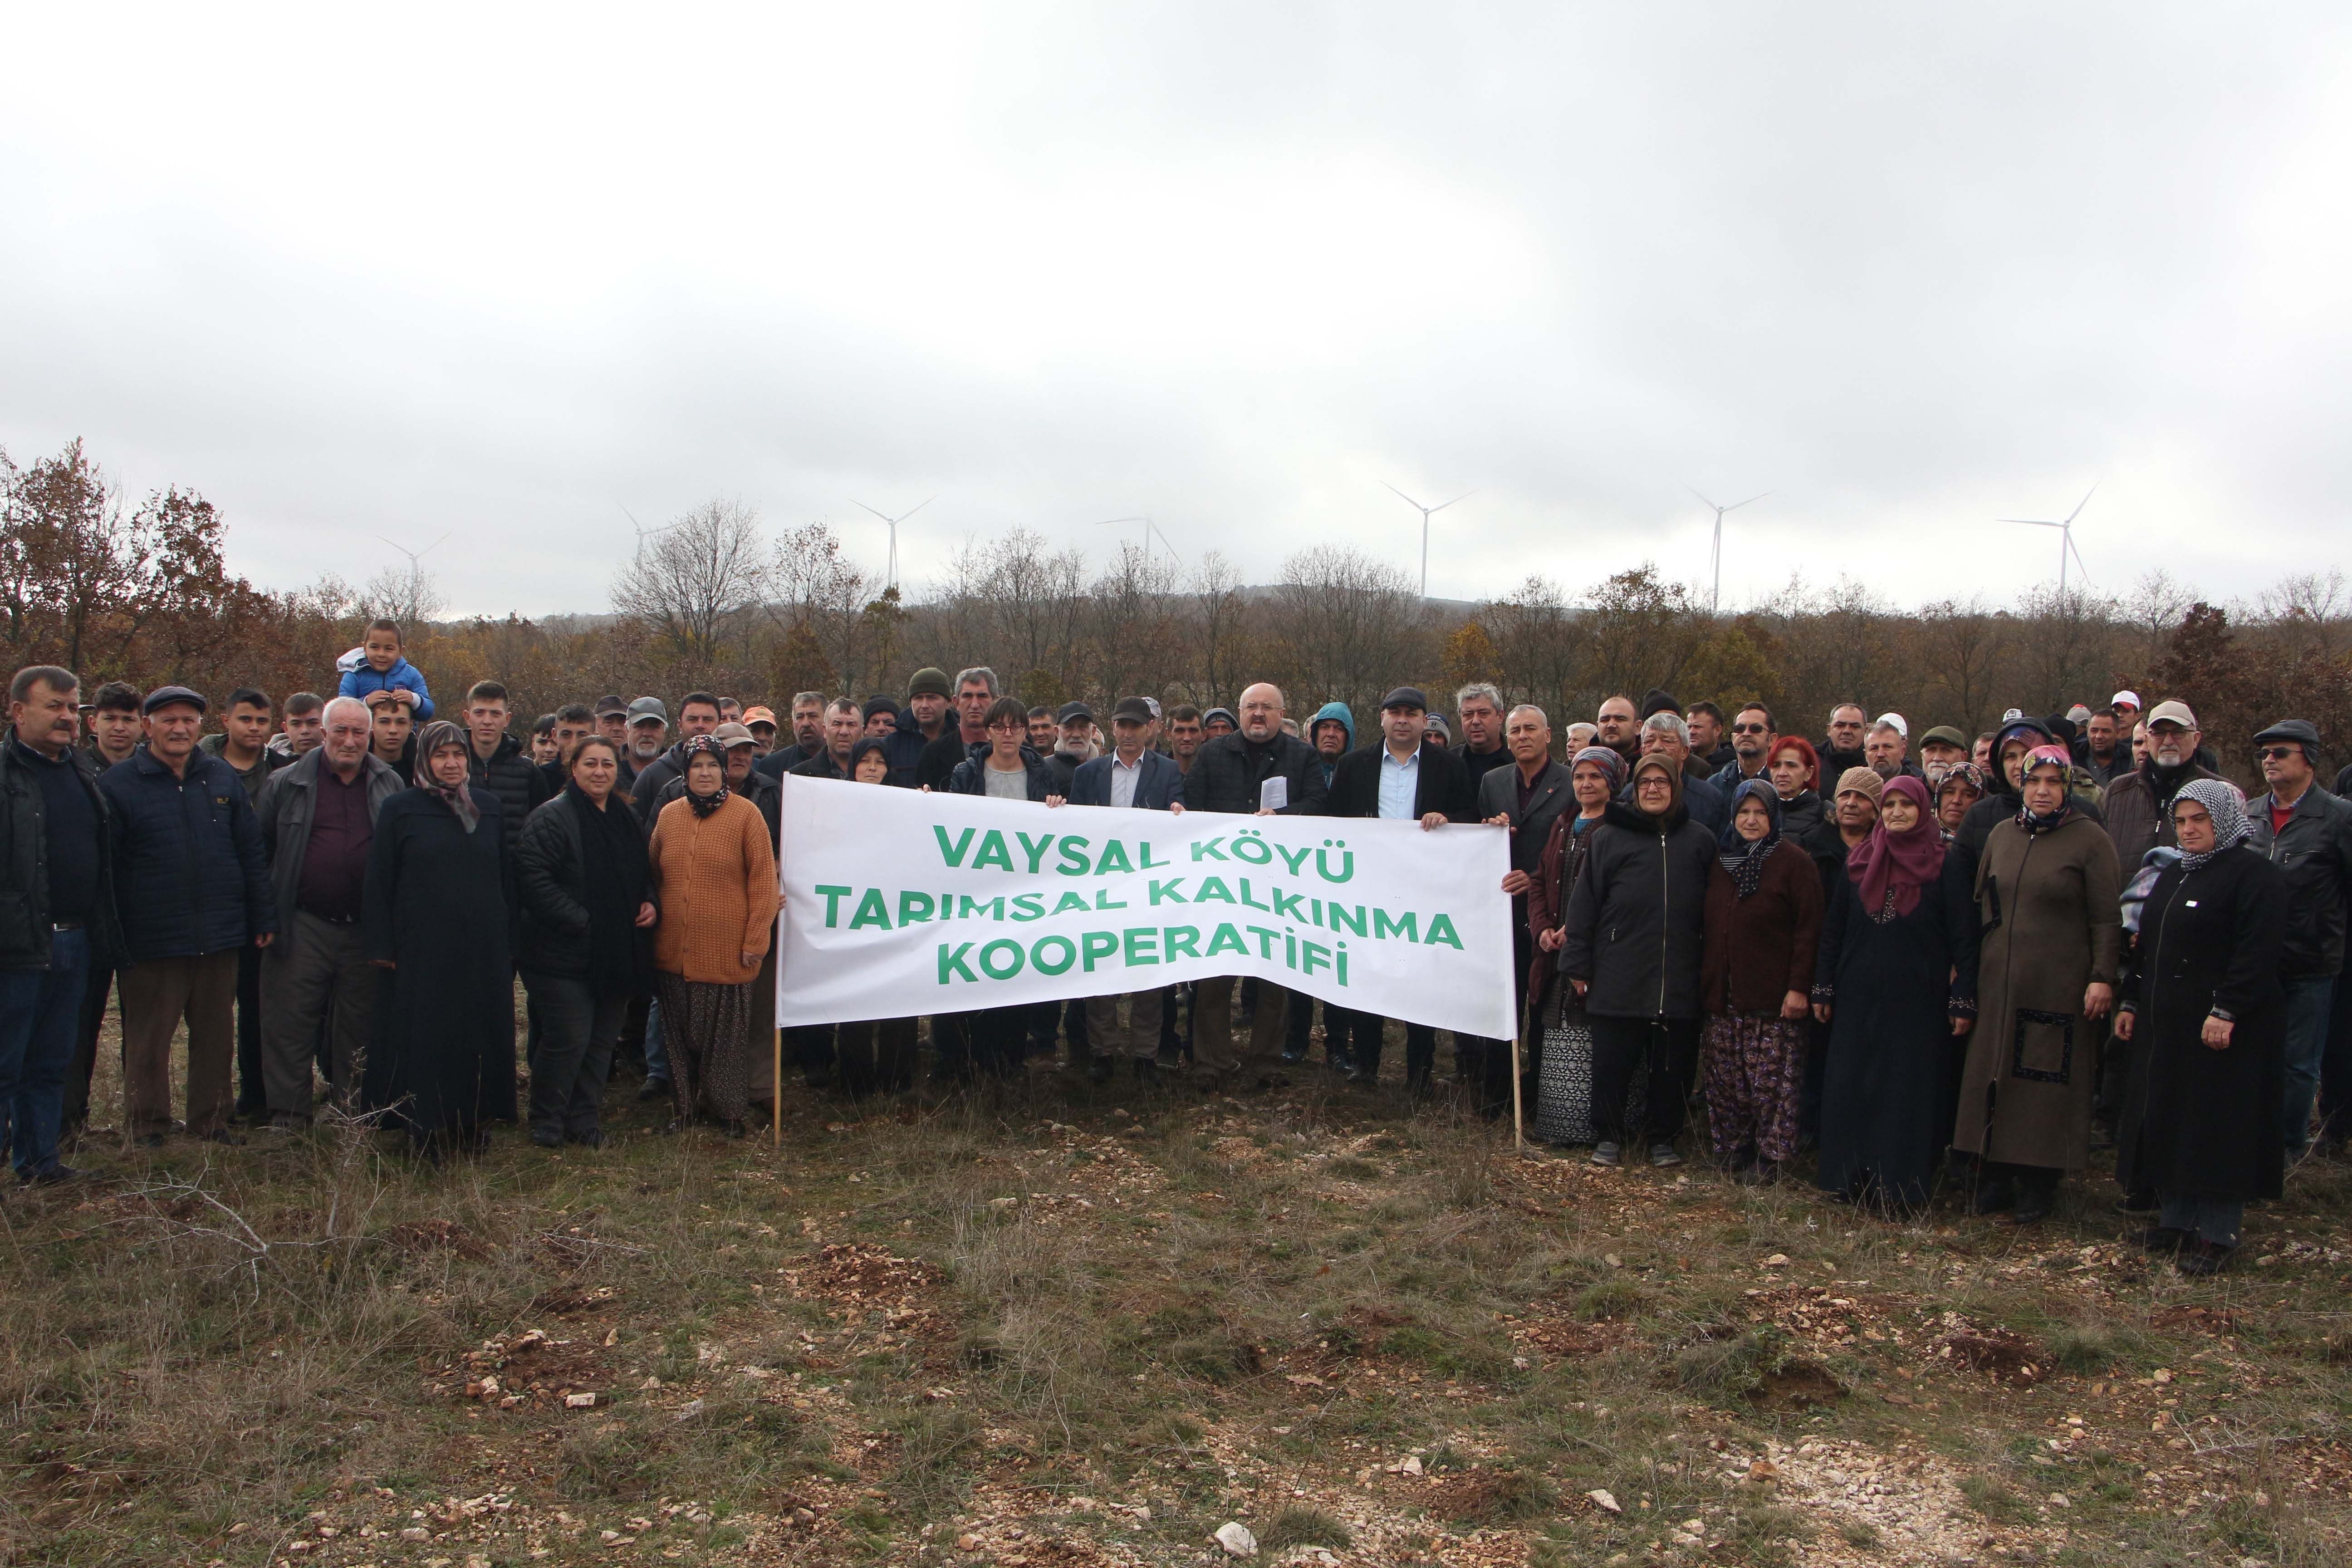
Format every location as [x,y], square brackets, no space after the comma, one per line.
[2003,1354]
[882,1301]
[421,1237]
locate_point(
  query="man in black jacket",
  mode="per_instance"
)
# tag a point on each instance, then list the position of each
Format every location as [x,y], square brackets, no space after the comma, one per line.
[498,761]
[1230,773]
[843,723]
[1406,777]
[697,714]
[190,887]
[57,911]
[921,722]
[966,736]
[1527,798]
[2307,833]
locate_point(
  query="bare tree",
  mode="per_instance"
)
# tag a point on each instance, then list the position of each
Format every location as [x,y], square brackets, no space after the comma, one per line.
[411,596]
[1962,644]
[1221,609]
[1355,625]
[694,580]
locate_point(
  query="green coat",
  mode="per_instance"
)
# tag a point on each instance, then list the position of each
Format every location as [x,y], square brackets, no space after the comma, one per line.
[2048,906]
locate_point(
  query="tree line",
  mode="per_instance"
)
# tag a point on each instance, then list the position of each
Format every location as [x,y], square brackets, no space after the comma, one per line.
[139,589]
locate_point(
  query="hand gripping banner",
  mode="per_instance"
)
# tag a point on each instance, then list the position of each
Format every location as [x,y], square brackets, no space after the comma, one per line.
[899,903]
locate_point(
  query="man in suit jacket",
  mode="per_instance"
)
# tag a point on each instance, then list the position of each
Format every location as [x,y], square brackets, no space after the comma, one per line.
[1528,798]
[1407,776]
[1229,773]
[1136,777]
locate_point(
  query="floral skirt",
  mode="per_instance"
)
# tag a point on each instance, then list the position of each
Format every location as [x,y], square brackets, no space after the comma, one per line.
[1754,1073]
[708,1029]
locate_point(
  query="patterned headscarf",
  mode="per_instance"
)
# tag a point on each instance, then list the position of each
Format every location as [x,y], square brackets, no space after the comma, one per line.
[1609,763]
[2046,756]
[1744,859]
[2226,807]
[458,797]
[696,746]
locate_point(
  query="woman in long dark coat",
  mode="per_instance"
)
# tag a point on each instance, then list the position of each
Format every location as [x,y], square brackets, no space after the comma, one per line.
[2209,1017]
[435,913]
[1896,985]
[2051,925]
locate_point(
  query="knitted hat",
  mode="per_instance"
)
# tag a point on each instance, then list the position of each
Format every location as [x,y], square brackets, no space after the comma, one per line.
[929,682]
[1863,782]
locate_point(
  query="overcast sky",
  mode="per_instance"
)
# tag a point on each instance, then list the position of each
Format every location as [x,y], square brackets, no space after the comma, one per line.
[1910,268]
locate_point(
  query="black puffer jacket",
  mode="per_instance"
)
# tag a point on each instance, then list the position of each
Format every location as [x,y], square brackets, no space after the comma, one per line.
[1637,919]
[1228,770]
[514,778]
[550,873]
[190,877]
[23,864]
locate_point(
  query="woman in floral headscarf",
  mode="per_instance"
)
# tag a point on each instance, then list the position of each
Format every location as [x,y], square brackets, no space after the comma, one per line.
[434,911]
[714,880]
[1896,985]
[2047,889]
[1763,922]
[2207,1018]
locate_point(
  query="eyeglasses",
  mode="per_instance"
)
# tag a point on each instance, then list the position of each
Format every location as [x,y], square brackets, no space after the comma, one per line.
[1008,728]
[1751,729]
[2280,753]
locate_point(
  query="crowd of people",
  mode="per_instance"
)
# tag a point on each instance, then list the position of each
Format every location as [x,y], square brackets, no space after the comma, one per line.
[1964,964]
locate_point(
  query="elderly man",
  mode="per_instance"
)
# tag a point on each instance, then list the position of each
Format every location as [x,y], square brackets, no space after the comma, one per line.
[806,715]
[1527,798]
[1233,773]
[58,928]
[1408,777]
[191,887]
[2309,833]
[1941,749]
[2139,807]
[318,823]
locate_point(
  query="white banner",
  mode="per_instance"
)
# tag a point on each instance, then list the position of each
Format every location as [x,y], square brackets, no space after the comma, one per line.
[899,903]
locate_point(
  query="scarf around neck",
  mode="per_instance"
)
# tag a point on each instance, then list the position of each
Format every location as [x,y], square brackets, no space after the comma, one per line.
[2046,756]
[701,745]
[1888,870]
[1742,858]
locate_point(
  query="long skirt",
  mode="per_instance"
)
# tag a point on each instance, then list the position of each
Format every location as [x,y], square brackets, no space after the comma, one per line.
[707,1029]
[1755,1076]
[1564,1080]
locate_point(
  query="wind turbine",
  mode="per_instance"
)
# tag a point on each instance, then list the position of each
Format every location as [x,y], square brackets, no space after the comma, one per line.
[1150,528]
[1427,513]
[894,522]
[1715,597]
[416,572]
[2065,538]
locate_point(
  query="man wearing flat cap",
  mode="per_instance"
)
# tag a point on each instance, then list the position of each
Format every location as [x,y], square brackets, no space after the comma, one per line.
[192,886]
[1133,777]
[1409,776]
[2307,834]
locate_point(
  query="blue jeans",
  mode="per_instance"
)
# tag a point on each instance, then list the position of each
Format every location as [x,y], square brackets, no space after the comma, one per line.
[40,1020]
[657,1052]
[2307,1004]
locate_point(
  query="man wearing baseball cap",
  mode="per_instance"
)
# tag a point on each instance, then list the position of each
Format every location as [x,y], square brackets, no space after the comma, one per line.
[1409,776]
[2139,806]
[760,723]
[2307,833]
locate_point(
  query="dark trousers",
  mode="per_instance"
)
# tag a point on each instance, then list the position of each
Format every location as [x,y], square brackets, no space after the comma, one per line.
[996,1038]
[1340,1026]
[157,996]
[808,1047]
[252,1074]
[40,1010]
[2335,1067]
[1419,1048]
[1671,1045]
[95,992]
[877,1057]
[1176,1044]
[578,1031]
[320,985]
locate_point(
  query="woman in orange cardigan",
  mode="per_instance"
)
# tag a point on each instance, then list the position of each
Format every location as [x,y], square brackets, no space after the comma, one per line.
[716,877]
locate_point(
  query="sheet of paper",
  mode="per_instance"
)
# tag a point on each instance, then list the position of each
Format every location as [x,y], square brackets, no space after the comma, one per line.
[1274,795]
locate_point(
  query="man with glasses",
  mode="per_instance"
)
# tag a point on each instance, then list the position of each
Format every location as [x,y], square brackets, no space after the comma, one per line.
[2139,806]
[2307,833]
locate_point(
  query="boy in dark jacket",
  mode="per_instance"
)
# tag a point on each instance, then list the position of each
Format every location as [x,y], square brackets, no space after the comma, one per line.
[191,887]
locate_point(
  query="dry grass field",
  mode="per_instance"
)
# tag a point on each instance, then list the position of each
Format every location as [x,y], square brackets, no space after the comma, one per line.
[1053,1324]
